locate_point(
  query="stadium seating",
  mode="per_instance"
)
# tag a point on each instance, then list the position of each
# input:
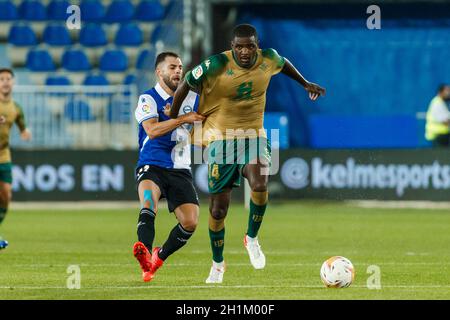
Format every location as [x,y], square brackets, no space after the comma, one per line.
[149,10]
[146,59]
[56,35]
[32,10]
[56,10]
[40,60]
[92,10]
[119,11]
[131,27]
[57,80]
[95,80]
[8,14]
[77,110]
[22,35]
[114,62]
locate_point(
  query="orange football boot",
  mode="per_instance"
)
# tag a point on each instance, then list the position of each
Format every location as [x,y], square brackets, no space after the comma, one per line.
[144,258]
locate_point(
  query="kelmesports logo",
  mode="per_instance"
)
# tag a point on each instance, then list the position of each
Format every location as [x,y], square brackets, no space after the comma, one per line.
[296,173]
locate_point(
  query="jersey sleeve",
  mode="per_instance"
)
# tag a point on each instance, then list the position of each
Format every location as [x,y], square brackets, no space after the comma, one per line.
[207,68]
[20,119]
[146,109]
[276,61]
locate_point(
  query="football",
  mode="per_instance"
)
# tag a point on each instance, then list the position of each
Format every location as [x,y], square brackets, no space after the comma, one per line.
[337,272]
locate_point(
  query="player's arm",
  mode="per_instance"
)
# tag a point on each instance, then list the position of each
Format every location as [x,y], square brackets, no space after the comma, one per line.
[314,90]
[25,134]
[155,129]
[178,98]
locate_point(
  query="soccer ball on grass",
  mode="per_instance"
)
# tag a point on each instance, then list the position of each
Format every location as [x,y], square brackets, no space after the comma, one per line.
[337,272]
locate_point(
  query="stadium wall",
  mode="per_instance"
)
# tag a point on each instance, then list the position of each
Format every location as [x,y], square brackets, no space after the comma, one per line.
[301,174]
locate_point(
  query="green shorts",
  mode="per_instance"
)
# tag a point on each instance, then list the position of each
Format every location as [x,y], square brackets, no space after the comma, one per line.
[227,159]
[6,172]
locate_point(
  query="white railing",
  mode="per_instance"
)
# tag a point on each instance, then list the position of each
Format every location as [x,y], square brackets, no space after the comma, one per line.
[78,117]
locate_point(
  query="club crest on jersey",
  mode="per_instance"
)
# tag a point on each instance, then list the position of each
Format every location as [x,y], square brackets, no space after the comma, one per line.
[2,119]
[197,72]
[187,109]
[146,108]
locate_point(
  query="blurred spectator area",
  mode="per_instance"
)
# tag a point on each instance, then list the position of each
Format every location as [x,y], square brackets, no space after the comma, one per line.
[79,88]
[117,38]
[379,82]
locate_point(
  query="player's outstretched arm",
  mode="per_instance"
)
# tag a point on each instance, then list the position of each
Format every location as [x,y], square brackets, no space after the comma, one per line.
[155,129]
[314,90]
[179,96]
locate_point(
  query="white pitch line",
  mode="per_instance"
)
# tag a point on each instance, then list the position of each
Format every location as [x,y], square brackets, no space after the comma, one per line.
[150,287]
[179,265]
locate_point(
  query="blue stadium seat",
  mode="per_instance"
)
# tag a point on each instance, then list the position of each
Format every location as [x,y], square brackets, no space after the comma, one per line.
[8,11]
[95,80]
[92,10]
[57,10]
[32,10]
[75,60]
[168,34]
[146,59]
[40,60]
[119,11]
[130,79]
[22,35]
[53,80]
[119,111]
[129,35]
[113,60]
[77,110]
[150,10]
[56,35]
[174,10]
[93,35]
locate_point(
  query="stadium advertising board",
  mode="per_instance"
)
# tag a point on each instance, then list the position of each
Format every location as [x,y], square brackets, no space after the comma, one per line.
[316,174]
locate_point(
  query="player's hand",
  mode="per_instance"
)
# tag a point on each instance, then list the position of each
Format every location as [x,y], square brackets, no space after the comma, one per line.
[192,117]
[314,90]
[25,135]
[167,109]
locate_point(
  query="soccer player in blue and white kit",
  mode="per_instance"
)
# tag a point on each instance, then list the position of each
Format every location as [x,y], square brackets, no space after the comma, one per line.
[163,169]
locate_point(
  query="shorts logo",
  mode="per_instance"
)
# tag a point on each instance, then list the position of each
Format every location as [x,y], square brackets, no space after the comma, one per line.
[146,108]
[197,72]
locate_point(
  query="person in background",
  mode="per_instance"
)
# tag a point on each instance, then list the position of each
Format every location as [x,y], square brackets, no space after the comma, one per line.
[437,128]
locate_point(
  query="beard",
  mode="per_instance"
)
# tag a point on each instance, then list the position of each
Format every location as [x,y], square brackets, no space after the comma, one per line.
[170,83]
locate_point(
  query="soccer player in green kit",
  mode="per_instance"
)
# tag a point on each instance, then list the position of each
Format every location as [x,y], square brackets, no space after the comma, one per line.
[10,113]
[232,87]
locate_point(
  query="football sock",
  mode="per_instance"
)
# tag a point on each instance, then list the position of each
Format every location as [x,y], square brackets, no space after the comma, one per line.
[177,239]
[258,204]
[217,244]
[146,227]
[2,214]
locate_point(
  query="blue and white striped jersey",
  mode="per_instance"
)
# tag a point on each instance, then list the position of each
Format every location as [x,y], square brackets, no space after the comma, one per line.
[172,150]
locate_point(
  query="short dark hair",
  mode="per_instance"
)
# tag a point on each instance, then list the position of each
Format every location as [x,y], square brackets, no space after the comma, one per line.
[244,30]
[163,55]
[442,87]
[7,70]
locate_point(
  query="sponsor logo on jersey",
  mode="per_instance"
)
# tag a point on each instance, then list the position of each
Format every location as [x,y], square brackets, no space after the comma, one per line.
[146,108]
[197,72]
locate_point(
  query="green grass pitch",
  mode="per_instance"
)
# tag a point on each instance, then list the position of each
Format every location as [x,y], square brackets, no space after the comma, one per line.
[410,246]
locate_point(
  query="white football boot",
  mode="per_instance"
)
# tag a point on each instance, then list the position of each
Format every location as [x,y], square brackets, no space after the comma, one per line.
[257,257]
[216,272]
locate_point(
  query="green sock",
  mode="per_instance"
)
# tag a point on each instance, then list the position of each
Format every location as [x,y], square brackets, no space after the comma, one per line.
[2,214]
[255,219]
[217,243]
